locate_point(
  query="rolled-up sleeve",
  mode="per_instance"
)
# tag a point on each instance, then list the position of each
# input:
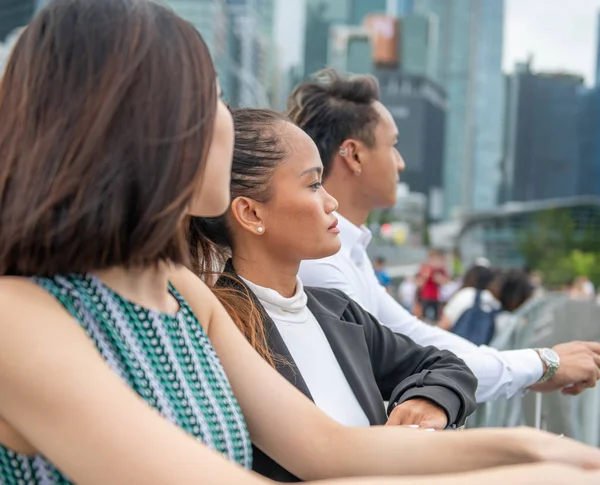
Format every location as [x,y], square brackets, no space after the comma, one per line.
[405,370]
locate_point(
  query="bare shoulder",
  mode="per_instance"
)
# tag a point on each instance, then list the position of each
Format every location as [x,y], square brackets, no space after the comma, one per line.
[28,314]
[196,293]
[20,299]
[14,286]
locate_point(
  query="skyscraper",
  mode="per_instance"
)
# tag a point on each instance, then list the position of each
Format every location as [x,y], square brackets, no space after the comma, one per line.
[590,131]
[359,9]
[350,49]
[543,136]
[589,142]
[469,67]
[210,18]
[419,44]
[418,106]
[250,52]
[598,49]
[14,14]
[321,15]
[239,34]
[401,8]
[266,33]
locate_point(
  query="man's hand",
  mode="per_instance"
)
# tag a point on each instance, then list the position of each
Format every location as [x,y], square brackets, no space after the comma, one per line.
[419,411]
[579,368]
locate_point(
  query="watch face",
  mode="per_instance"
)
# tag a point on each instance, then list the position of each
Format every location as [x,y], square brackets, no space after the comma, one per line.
[551,356]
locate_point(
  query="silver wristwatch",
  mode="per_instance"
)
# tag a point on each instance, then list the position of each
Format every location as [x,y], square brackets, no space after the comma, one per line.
[552,362]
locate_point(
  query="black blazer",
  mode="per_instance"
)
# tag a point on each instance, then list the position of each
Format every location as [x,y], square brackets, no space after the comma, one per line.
[379,364]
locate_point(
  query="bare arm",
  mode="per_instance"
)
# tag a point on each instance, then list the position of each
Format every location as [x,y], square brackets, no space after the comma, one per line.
[294,432]
[60,396]
[525,474]
[81,416]
[541,474]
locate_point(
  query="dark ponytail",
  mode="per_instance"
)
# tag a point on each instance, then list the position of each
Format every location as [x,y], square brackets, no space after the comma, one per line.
[259,149]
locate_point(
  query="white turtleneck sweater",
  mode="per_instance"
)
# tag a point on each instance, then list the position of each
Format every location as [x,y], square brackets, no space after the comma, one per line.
[312,354]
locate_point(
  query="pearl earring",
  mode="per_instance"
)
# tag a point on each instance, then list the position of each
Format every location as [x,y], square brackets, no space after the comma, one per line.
[260,230]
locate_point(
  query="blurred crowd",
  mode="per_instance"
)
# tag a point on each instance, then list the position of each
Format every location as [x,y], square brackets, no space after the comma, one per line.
[439,298]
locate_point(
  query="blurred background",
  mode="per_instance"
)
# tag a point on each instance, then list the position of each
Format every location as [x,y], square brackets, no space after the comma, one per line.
[497,103]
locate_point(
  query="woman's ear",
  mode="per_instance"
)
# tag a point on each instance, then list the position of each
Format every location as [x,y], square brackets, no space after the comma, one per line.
[247,214]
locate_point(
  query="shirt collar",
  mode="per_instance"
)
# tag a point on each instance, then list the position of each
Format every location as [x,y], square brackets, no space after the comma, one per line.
[354,239]
[275,302]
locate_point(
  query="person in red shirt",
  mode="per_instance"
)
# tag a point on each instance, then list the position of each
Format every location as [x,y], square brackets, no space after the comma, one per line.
[431,277]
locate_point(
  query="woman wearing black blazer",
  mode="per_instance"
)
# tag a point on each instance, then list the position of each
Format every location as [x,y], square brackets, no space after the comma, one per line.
[324,343]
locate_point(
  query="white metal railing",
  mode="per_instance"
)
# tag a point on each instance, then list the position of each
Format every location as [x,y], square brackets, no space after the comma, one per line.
[545,322]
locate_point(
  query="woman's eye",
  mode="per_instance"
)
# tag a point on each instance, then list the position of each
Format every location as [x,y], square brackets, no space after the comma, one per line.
[316,185]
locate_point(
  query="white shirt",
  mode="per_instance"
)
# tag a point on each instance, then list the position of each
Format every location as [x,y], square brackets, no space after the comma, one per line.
[464,299]
[500,374]
[407,292]
[448,290]
[589,290]
[312,354]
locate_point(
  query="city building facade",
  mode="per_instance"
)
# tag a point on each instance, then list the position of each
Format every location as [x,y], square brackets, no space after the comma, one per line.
[15,14]
[419,44]
[418,106]
[251,52]
[469,68]
[350,49]
[545,113]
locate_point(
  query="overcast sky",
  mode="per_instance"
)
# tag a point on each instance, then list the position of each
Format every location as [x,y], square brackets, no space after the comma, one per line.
[560,34]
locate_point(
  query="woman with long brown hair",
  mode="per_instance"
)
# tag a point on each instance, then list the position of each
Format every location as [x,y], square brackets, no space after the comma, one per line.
[117,365]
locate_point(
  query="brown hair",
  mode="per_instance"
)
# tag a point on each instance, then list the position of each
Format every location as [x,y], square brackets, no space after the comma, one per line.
[107,111]
[333,108]
[258,151]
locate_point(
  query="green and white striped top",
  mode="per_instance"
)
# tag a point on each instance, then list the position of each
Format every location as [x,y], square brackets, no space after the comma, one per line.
[167,359]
